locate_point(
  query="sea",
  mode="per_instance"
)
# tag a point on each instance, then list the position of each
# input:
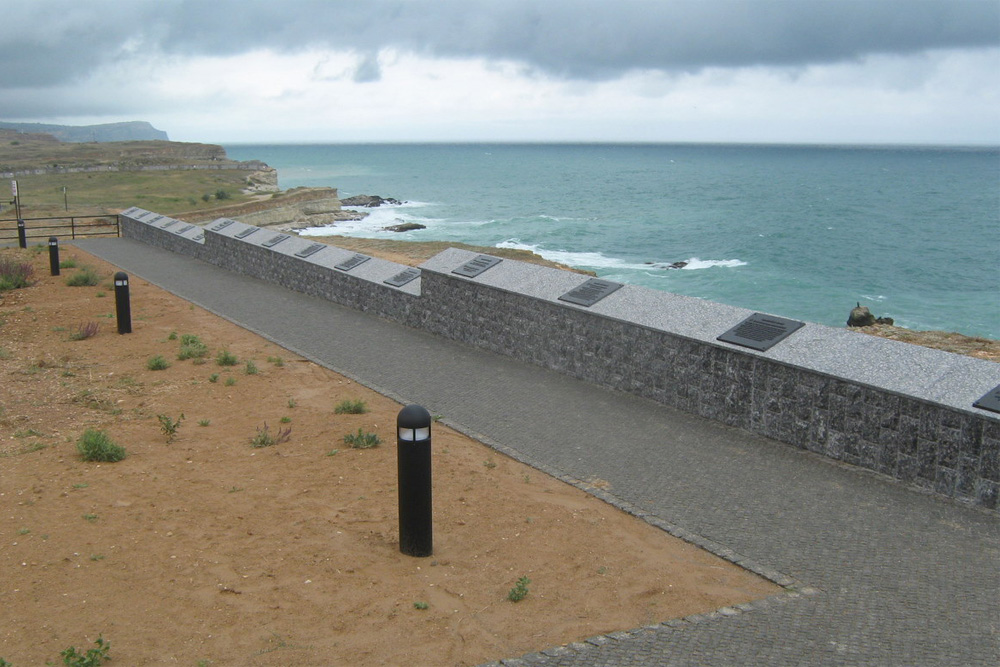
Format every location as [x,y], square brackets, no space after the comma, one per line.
[805,232]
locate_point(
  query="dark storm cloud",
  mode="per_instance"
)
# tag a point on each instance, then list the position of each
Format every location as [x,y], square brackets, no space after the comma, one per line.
[51,41]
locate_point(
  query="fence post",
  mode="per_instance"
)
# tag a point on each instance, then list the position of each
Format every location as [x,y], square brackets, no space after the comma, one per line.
[72,227]
[22,239]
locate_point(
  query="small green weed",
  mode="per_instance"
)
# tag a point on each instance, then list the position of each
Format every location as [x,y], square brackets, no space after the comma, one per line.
[213,378]
[421,605]
[157,363]
[490,465]
[265,439]
[285,420]
[95,445]
[85,277]
[277,361]
[250,368]
[292,403]
[204,422]
[90,517]
[92,658]
[191,348]
[169,426]
[67,264]
[351,407]
[230,381]
[226,358]
[520,590]
[362,440]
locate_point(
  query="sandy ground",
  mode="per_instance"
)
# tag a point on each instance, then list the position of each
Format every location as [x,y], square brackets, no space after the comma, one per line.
[203,550]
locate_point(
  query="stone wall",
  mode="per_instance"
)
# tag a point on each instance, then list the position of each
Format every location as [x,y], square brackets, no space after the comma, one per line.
[897,409]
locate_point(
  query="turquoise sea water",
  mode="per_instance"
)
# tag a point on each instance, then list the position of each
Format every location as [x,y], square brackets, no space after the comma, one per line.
[799,231]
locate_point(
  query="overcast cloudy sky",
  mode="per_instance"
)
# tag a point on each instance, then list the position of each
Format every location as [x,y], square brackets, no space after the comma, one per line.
[226,71]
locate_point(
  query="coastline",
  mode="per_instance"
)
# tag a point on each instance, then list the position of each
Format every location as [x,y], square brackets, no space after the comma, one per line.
[295,204]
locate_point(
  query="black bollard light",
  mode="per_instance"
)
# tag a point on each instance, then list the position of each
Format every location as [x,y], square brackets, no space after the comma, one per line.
[123,309]
[413,457]
[53,256]
[22,237]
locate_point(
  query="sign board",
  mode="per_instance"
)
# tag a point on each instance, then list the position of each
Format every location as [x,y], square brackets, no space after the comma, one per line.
[403,277]
[991,401]
[761,332]
[13,189]
[352,262]
[474,267]
[590,292]
[310,250]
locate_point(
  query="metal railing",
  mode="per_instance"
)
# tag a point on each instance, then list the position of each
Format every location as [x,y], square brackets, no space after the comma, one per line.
[78,225]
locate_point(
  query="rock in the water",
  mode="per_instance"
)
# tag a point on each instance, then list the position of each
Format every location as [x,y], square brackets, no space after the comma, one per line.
[860,317]
[369,201]
[404,227]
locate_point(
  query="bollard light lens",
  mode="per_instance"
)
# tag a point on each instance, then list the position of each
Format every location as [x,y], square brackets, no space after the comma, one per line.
[121,283]
[414,434]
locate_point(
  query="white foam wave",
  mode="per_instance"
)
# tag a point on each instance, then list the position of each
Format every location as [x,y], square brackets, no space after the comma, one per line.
[589,259]
[598,260]
[374,223]
[694,263]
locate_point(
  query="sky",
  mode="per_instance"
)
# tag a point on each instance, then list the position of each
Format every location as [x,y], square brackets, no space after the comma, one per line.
[295,71]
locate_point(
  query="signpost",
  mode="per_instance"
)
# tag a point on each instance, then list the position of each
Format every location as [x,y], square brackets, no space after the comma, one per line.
[17,200]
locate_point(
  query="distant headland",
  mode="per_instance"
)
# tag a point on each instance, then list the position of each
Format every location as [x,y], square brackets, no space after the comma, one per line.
[136,130]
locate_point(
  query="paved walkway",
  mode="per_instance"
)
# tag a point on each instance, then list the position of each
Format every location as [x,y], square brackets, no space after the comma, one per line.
[891,576]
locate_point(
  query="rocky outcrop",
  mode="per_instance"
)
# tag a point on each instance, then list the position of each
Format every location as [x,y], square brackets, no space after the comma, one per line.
[404,227]
[862,317]
[369,201]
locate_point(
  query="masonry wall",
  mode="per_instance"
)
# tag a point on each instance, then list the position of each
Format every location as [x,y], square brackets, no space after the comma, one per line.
[894,408]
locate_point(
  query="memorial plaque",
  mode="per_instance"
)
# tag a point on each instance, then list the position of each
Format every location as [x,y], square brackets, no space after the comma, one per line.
[311,249]
[403,277]
[219,226]
[761,332]
[352,262]
[169,224]
[474,267]
[991,401]
[247,232]
[590,292]
[144,214]
[182,230]
[155,219]
[274,240]
[130,211]
[200,237]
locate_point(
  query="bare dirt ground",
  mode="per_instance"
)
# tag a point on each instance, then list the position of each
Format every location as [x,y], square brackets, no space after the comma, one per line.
[203,550]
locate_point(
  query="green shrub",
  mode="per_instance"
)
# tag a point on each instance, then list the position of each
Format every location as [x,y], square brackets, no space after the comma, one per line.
[351,407]
[92,658]
[226,358]
[95,445]
[265,439]
[14,275]
[85,277]
[191,348]
[67,264]
[520,590]
[251,368]
[157,363]
[362,440]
